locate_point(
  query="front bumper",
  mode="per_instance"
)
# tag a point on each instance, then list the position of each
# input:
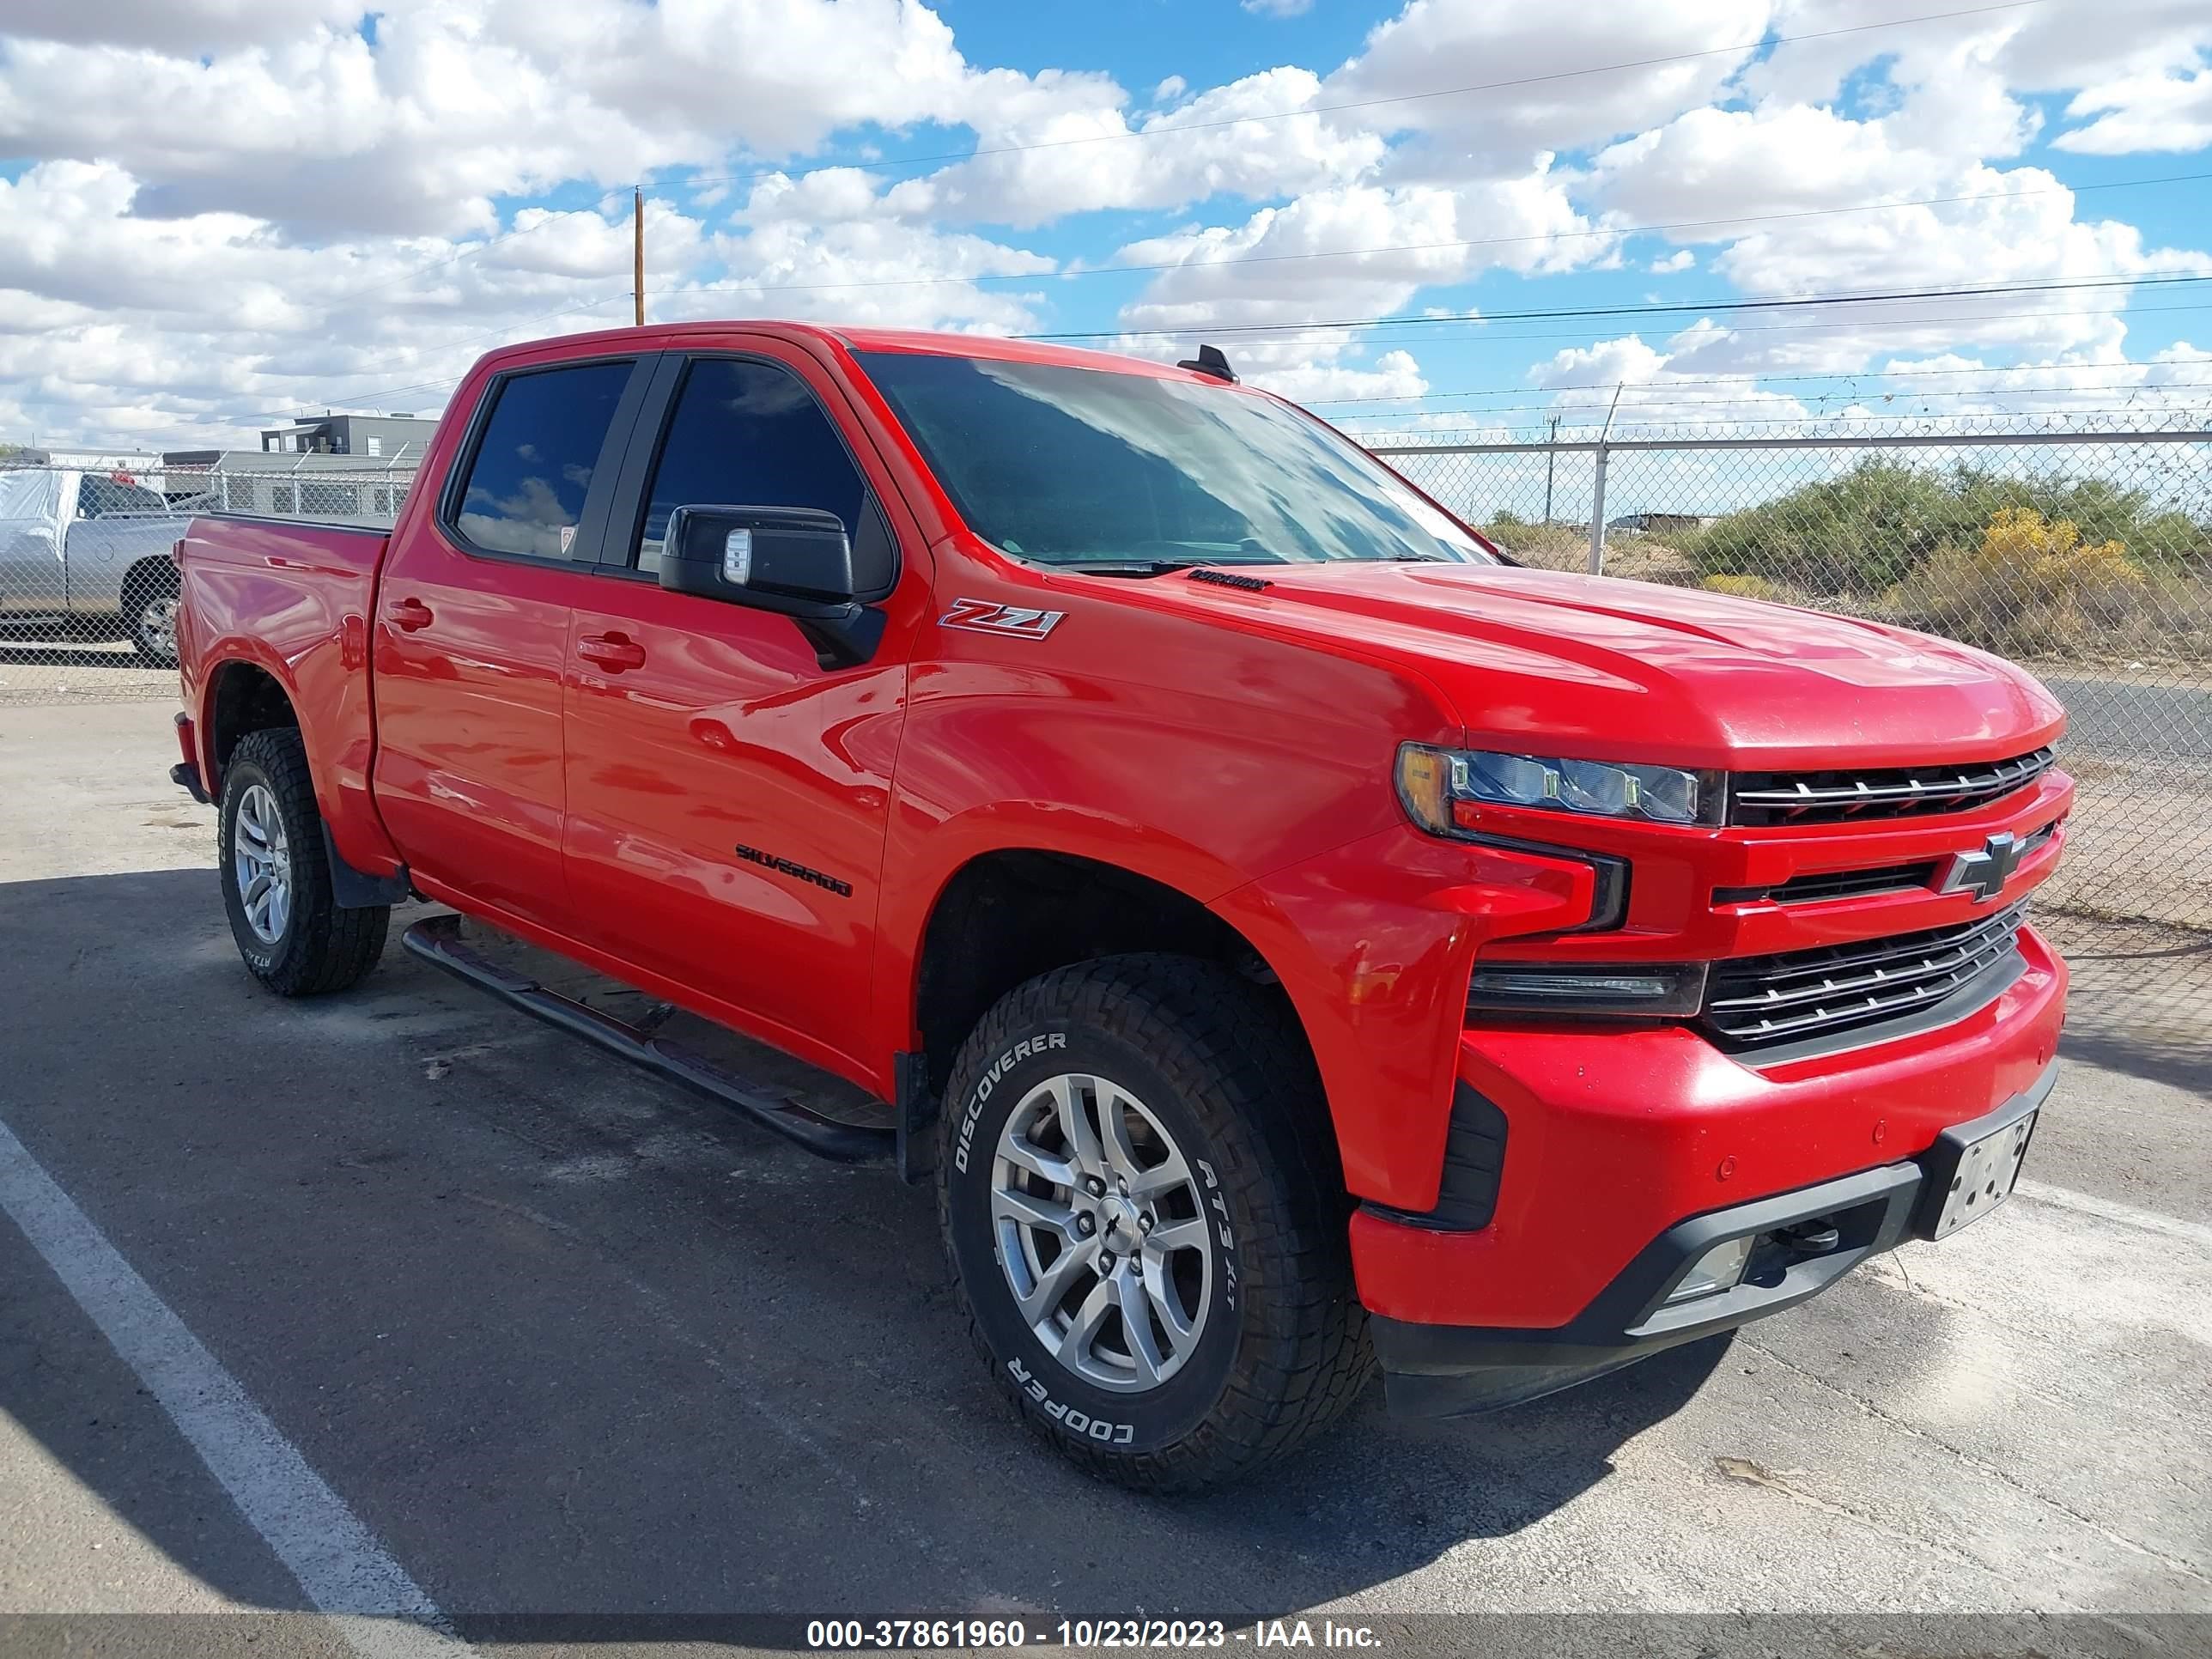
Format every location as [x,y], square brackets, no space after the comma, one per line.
[1454,1370]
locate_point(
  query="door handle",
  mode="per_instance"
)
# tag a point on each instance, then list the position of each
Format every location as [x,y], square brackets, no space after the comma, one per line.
[615,652]
[410,615]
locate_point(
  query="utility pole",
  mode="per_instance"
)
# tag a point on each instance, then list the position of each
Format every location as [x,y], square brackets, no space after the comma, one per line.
[1551,461]
[637,248]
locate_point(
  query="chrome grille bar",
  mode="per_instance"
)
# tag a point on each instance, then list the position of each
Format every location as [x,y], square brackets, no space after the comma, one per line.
[1772,798]
[1833,988]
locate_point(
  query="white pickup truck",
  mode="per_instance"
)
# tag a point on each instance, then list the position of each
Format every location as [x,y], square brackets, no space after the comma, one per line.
[85,555]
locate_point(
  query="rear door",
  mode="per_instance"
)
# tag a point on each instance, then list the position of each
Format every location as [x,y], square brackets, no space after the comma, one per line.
[727,787]
[471,635]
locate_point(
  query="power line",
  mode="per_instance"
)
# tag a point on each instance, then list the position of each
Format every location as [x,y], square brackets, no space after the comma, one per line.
[1672,412]
[1870,296]
[1370,437]
[1853,375]
[1639,409]
[1716,390]
[1858,324]
[1794,328]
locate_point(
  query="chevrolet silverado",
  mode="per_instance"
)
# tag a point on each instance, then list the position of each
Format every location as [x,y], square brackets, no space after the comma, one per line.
[1294,940]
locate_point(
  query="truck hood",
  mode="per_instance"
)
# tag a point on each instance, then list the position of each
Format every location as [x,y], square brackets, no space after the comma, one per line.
[1596,667]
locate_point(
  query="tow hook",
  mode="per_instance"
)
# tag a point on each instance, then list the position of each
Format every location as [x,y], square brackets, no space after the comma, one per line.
[1815,1237]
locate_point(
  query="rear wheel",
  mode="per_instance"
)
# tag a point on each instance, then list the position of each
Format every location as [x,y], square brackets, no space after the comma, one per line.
[1141,1198]
[150,613]
[294,936]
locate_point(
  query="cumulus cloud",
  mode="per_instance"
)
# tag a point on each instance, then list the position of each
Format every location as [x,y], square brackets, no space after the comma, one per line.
[1435,43]
[461,101]
[228,208]
[1355,251]
[1251,139]
[2162,110]
[197,327]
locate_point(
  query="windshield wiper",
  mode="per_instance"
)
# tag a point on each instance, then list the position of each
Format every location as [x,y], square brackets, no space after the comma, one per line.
[1151,567]
[1129,567]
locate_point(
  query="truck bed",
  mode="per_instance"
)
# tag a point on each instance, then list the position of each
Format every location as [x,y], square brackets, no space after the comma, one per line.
[295,597]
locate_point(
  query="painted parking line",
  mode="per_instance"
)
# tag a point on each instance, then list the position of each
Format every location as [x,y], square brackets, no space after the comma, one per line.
[345,1572]
[2110,1209]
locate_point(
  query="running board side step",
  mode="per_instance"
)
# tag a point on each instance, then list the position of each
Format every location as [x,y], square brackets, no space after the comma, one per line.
[437,940]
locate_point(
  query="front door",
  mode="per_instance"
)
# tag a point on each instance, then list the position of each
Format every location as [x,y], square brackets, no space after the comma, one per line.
[727,791]
[472,637]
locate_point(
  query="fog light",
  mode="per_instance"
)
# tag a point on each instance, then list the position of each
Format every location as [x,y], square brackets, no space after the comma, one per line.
[1718,1269]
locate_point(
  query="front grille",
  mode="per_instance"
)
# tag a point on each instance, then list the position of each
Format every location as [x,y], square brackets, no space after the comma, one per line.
[1834,884]
[1810,995]
[1770,798]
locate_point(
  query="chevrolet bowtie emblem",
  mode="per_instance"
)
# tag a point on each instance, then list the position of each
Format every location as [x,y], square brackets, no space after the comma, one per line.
[1984,872]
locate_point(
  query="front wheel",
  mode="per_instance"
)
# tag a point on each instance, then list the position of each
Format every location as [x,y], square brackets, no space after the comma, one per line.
[1139,1197]
[294,937]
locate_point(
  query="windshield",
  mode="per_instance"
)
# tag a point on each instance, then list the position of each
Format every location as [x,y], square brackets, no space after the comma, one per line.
[1084,466]
[98,497]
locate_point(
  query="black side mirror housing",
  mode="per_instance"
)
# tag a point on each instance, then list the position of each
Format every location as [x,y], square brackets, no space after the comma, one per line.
[760,555]
[794,560]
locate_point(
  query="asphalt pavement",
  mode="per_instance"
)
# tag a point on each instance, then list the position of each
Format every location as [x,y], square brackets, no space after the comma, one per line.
[581,1359]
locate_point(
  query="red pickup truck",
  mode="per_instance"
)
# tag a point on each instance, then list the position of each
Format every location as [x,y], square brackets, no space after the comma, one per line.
[1294,939]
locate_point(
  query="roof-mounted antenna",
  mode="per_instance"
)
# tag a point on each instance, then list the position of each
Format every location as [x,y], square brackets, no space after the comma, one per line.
[1210,361]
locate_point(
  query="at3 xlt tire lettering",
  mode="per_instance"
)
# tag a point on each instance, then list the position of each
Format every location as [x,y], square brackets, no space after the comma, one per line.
[1218,1065]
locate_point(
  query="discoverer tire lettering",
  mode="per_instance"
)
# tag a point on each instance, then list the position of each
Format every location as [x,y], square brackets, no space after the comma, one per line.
[1278,1350]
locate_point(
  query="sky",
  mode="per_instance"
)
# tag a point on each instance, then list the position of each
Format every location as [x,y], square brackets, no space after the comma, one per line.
[215,214]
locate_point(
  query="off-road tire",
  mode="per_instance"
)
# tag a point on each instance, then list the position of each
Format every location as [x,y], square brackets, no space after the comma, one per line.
[322,947]
[1283,1351]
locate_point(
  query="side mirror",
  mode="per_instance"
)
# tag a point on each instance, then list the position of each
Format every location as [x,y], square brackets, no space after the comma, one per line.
[794,560]
[766,557]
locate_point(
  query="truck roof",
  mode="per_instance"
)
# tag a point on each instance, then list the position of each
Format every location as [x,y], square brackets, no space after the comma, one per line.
[663,334]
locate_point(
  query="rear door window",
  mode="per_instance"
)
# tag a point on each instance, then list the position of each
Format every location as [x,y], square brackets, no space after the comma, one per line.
[534,463]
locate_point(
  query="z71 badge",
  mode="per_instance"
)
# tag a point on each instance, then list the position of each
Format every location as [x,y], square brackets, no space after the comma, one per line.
[985,617]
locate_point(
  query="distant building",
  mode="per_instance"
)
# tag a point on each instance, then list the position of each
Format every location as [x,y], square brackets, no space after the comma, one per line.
[1659,523]
[363,437]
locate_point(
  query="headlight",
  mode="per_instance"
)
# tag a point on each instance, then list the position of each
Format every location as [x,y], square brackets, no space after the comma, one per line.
[1445,789]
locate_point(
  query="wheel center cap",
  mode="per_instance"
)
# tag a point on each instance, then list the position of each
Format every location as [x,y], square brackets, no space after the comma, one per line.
[1120,1217]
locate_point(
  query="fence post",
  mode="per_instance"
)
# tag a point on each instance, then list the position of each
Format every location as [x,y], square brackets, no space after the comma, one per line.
[1597,491]
[1597,517]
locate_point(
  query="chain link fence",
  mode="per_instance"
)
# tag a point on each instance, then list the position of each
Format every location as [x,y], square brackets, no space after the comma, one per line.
[2084,554]
[87,592]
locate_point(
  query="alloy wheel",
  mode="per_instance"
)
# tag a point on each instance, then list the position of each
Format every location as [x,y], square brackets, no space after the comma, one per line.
[1102,1233]
[261,859]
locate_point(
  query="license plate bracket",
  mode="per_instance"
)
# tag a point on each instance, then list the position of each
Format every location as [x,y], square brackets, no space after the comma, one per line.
[1973,1167]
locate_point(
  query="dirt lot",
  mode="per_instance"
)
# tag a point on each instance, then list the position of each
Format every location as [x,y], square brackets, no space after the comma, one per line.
[544,1340]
